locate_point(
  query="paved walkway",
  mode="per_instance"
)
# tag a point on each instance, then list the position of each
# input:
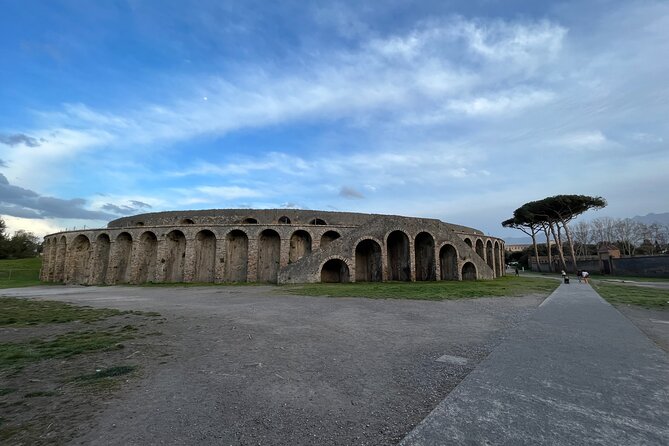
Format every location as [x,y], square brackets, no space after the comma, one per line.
[576,373]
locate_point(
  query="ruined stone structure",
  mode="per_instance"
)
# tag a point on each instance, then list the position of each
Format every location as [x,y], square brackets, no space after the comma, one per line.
[274,245]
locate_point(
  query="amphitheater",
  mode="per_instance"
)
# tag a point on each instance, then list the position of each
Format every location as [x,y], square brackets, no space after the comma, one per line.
[273,246]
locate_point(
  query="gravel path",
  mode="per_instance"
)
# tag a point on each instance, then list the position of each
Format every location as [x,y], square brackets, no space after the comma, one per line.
[243,365]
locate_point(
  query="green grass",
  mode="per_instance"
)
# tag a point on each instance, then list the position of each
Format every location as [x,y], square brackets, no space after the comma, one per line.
[503,286]
[635,279]
[14,354]
[107,373]
[20,272]
[23,312]
[632,295]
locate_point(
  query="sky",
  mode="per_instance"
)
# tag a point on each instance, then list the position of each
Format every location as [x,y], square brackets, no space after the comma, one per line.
[456,110]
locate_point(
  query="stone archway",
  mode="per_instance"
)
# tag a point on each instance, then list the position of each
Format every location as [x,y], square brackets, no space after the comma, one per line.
[426,268]
[480,249]
[123,249]
[102,249]
[269,255]
[329,237]
[148,257]
[335,271]
[399,263]
[80,254]
[300,246]
[205,256]
[368,262]
[448,260]
[175,256]
[498,260]
[469,271]
[236,256]
[490,258]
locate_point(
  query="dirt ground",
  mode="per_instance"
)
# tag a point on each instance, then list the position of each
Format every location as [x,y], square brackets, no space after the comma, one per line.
[243,365]
[246,366]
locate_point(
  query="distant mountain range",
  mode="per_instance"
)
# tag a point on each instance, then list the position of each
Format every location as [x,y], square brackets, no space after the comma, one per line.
[662,219]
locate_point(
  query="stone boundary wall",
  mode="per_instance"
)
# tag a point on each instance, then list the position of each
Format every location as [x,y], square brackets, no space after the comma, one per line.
[276,246]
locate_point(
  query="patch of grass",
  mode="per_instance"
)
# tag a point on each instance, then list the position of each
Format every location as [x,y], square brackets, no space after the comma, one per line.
[20,272]
[23,312]
[63,346]
[5,391]
[632,295]
[503,286]
[107,373]
[635,279]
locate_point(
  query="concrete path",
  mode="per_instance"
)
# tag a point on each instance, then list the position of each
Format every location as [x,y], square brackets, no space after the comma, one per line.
[577,372]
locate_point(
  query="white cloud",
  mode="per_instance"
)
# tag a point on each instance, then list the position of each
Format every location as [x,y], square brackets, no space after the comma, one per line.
[586,140]
[501,103]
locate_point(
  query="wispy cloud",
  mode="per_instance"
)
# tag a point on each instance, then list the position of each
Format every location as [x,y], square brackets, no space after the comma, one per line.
[19,139]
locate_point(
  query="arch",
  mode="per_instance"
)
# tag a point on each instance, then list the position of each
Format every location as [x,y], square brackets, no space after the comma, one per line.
[187,221]
[139,223]
[469,271]
[368,262]
[236,256]
[300,245]
[334,271]
[399,266]
[81,256]
[480,249]
[61,253]
[102,249]
[498,266]
[148,257]
[329,237]
[123,250]
[317,221]
[284,220]
[250,221]
[448,260]
[205,256]
[176,256]
[269,255]
[424,257]
[468,241]
[489,256]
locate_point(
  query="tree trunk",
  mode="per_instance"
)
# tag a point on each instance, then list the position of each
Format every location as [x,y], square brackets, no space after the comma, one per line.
[548,248]
[558,242]
[536,251]
[571,246]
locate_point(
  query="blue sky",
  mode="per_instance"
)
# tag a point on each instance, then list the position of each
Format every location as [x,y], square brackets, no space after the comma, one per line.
[458,110]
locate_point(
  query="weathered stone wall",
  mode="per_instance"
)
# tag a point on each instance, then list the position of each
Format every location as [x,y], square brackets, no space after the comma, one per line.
[284,246]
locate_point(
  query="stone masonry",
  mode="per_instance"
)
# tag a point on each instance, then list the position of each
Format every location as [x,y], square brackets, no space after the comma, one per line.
[274,245]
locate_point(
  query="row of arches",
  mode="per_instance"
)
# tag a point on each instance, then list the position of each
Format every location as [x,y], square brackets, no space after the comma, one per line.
[283,220]
[369,265]
[173,259]
[491,253]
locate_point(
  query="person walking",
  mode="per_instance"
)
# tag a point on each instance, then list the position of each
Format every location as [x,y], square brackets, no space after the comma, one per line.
[585,275]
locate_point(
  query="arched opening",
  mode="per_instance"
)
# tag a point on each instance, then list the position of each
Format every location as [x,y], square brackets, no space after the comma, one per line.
[236,256]
[300,245]
[148,258]
[284,220]
[81,255]
[448,261]
[102,248]
[368,264]
[176,256]
[123,247]
[498,260]
[490,258]
[424,255]
[139,223]
[468,241]
[205,256]
[468,271]
[61,253]
[187,221]
[335,271]
[399,266]
[317,221]
[250,221]
[328,238]
[479,249]
[269,254]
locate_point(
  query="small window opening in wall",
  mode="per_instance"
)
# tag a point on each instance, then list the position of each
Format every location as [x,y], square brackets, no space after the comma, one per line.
[317,221]
[187,221]
[250,221]
[140,223]
[284,220]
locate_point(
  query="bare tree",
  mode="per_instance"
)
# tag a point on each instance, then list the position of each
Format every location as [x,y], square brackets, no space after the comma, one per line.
[581,232]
